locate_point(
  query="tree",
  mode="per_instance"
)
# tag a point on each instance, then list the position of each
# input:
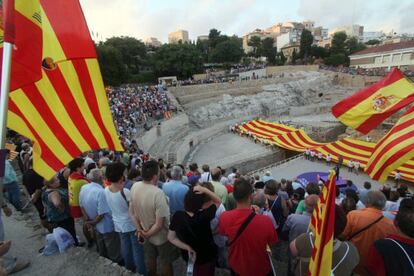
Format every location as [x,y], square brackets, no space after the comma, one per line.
[318,52]
[353,45]
[132,50]
[228,51]
[295,56]
[280,59]
[256,43]
[112,67]
[338,52]
[306,40]
[203,47]
[214,37]
[372,42]
[181,60]
[268,50]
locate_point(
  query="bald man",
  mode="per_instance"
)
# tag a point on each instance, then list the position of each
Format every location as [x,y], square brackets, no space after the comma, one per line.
[297,224]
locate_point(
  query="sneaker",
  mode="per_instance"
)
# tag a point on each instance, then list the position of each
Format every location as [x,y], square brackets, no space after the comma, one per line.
[20,265]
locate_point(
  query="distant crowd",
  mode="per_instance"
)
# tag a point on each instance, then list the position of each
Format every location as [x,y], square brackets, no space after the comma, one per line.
[143,213]
[380,71]
[135,107]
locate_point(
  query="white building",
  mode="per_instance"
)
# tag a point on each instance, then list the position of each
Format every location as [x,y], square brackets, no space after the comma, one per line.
[387,56]
[367,36]
[178,36]
[152,41]
[288,38]
[350,30]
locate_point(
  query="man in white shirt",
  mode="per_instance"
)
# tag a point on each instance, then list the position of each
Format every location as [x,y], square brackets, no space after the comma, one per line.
[206,175]
[350,165]
[328,159]
[97,217]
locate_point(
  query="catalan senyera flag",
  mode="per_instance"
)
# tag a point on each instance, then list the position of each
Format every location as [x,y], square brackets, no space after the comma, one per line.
[23,15]
[66,112]
[394,149]
[322,226]
[367,108]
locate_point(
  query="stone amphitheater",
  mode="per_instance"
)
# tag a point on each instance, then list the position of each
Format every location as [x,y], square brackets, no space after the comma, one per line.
[301,96]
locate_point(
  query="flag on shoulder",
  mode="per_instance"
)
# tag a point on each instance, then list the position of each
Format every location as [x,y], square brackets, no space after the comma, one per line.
[370,106]
[322,226]
[66,111]
[394,149]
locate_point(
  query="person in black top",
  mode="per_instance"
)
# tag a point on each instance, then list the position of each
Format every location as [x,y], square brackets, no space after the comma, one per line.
[191,232]
[34,185]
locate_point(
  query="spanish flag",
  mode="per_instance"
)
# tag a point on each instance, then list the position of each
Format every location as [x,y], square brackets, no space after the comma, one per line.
[367,108]
[322,226]
[394,149]
[66,112]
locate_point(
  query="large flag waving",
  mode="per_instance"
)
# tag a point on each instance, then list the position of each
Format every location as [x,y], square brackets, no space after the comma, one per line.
[370,106]
[66,112]
[322,225]
[394,149]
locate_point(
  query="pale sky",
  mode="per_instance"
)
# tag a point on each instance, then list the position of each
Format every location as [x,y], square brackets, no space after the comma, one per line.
[157,18]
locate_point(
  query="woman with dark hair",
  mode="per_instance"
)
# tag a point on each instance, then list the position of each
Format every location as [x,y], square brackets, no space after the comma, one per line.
[191,232]
[345,256]
[134,175]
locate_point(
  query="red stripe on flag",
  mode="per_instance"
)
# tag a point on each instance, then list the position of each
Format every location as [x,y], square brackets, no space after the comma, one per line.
[363,94]
[256,125]
[278,127]
[69,25]
[43,108]
[309,142]
[90,96]
[46,154]
[9,21]
[62,90]
[355,145]
[394,156]
[255,131]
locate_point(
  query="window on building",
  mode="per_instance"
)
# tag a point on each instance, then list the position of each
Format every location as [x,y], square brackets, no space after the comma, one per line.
[406,56]
[396,58]
[377,59]
[386,59]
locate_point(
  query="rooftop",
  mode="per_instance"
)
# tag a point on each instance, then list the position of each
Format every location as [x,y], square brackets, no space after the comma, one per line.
[386,48]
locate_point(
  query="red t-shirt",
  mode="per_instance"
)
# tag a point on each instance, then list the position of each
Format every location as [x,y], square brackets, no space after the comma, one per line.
[247,255]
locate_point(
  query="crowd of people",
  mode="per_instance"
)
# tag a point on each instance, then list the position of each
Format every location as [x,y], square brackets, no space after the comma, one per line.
[134,107]
[379,71]
[143,213]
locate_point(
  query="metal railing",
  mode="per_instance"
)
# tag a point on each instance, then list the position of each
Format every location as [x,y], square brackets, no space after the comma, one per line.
[276,164]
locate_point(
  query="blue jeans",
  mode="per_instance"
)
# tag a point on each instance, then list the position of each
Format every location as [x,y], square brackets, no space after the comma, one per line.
[13,194]
[132,252]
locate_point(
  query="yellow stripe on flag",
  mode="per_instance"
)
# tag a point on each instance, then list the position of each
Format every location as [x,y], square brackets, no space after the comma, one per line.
[30,9]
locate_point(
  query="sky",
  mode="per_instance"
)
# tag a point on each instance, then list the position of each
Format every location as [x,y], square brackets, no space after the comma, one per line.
[157,18]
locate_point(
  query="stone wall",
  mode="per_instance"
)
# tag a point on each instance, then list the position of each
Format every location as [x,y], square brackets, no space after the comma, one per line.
[348,80]
[168,127]
[249,164]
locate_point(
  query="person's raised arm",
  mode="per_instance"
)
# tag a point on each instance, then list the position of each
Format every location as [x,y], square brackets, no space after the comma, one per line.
[203,190]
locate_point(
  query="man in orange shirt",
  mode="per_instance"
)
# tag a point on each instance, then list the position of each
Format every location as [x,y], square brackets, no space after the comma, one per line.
[367,225]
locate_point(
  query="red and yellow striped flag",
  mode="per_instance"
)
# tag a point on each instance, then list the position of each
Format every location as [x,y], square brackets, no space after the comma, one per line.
[322,225]
[394,149]
[22,15]
[367,108]
[66,112]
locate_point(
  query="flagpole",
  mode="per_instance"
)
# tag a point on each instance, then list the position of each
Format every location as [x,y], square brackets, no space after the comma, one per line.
[4,100]
[5,86]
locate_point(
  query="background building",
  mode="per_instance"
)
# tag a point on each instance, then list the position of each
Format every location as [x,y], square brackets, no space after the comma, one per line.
[386,56]
[258,33]
[367,36]
[177,36]
[350,30]
[288,51]
[202,37]
[152,42]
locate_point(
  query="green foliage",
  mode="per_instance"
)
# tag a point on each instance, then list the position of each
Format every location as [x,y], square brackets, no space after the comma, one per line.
[354,46]
[227,51]
[268,50]
[337,59]
[181,60]
[133,51]
[112,67]
[318,52]
[256,43]
[295,56]
[372,42]
[338,43]
[306,40]
[280,59]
